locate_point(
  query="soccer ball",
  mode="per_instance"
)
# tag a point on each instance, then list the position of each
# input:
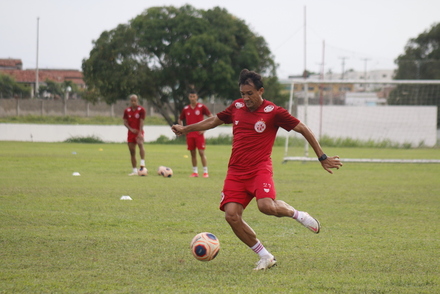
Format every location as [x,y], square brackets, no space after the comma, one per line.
[142,172]
[205,246]
[164,171]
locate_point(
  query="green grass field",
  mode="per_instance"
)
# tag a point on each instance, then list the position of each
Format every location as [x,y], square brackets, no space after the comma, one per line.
[65,234]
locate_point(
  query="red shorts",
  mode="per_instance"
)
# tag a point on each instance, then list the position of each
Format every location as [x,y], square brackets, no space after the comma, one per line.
[195,141]
[131,137]
[243,188]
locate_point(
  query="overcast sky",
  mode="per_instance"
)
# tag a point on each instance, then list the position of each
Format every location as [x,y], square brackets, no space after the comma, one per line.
[376,30]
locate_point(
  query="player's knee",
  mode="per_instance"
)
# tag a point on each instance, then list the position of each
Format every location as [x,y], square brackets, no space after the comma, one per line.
[232,218]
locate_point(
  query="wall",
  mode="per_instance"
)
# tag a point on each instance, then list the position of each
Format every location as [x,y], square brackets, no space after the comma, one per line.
[401,124]
[59,133]
[17,107]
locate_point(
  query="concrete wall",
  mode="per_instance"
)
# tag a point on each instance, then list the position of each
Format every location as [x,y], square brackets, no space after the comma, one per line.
[59,133]
[82,108]
[401,124]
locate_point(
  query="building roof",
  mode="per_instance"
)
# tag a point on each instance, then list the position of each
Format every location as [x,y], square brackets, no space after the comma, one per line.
[56,75]
[11,63]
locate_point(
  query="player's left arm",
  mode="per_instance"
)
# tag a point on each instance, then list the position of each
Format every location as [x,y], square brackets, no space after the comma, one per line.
[328,162]
[140,134]
[141,127]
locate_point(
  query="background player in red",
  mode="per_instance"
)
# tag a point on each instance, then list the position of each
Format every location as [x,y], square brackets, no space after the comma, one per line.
[134,117]
[194,113]
[255,125]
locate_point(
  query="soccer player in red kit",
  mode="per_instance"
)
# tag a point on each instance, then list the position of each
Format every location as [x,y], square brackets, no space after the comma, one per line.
[255,124]
[194,113]
[134,117]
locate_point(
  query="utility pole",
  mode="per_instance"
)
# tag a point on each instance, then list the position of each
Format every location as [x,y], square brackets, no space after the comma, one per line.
[365,67]
[365,72]
[343,66]
[306,86]
[36,70]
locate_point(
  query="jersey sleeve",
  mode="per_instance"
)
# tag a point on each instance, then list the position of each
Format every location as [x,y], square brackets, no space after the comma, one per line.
[226,115]
[182,114]
[206,110]
[142,113]
[285,120]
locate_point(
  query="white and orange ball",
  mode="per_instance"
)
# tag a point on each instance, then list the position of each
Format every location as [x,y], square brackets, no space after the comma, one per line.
[142,172]
[165,171]
[205,246]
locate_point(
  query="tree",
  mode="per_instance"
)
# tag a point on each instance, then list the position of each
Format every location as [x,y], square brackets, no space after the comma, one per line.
[164,52]
[10,88]
[421,61]
[57,90]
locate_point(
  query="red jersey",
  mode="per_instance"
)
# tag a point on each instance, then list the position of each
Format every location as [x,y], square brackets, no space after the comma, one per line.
[254,133]
[134,117]
[194,115]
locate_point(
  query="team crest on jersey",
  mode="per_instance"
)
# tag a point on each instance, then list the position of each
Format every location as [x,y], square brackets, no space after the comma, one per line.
[266,187]
[269,108]
[136,115]
[239,105]
[260,126]
[197,112]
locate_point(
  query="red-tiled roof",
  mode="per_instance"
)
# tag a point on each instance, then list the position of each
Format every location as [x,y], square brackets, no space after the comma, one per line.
[11,63]
[59,76]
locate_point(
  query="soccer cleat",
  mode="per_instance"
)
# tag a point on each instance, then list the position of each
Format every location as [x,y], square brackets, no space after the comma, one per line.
[309,222]
[133,174]
[194,175]
[205,175]
[265,263]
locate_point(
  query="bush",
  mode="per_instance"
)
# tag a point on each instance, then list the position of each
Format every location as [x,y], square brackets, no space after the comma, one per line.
[79,139]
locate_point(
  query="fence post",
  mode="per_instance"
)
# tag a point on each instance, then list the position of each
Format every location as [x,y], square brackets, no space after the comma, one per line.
[17,107]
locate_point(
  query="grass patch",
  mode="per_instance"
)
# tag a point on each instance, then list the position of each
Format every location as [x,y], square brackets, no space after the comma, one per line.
[86,139]
[66,234]
[299,142]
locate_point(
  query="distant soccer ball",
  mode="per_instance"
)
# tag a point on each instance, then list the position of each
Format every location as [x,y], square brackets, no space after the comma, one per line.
[205,246]
[165,171]
[142,172]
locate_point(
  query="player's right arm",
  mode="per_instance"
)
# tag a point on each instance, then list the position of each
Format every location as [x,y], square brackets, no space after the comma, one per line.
[204,125]
[129,128]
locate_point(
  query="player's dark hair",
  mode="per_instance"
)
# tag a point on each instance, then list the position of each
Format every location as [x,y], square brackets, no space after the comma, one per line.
[192,91]
[248,77]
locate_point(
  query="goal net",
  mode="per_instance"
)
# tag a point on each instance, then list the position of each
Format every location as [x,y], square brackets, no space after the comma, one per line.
[395,113]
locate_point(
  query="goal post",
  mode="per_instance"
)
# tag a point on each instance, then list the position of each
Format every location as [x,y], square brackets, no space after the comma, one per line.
[402,113]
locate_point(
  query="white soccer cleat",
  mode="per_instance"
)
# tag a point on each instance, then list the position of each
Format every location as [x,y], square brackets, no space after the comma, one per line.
[265,263]
[133,174]
[309,222]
